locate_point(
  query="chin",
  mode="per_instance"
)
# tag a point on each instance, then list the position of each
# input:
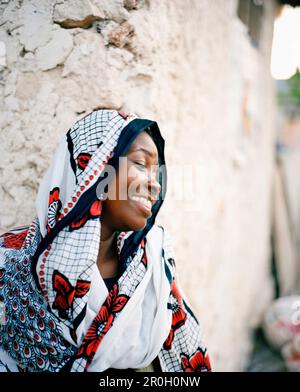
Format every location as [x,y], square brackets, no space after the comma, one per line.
[136,225]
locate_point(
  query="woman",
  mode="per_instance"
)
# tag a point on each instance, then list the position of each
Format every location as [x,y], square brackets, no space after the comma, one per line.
[90,285]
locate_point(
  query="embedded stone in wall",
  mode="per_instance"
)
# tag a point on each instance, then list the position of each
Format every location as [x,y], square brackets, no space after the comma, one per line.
[74,9]
[55,51]
[84,23]
[121,35]
[35,27]
[133,4]
[113,10]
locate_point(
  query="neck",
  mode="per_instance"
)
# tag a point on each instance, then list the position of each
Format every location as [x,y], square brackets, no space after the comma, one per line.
[107,249]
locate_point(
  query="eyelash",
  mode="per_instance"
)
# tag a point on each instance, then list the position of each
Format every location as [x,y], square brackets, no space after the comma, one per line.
[140,164]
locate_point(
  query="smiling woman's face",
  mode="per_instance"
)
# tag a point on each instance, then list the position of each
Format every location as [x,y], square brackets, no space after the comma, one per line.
[137,176]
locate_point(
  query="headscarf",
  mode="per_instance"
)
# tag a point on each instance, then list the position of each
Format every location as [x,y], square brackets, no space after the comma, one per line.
[59,314]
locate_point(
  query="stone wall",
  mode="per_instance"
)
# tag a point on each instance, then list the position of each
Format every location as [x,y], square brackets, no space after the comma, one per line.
[191,66]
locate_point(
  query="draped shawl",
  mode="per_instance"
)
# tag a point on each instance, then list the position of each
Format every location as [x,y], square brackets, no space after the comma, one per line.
[57,313]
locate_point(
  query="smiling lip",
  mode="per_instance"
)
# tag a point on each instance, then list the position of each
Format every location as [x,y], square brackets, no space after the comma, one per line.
[143,203]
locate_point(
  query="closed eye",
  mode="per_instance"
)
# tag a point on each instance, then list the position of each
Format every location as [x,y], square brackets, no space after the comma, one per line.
[140,164]
[144,167]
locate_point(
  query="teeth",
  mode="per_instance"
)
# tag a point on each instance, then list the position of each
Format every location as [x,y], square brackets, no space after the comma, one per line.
[142,200]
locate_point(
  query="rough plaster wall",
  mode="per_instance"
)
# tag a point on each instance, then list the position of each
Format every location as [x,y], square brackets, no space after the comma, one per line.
[190,66]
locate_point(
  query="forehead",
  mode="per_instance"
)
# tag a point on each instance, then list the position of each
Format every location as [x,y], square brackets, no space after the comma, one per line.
[144,142]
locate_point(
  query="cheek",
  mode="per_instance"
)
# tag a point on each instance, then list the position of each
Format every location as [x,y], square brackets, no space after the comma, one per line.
[128,182]
[120,212]
[135,180]
[121,215]
[114,212]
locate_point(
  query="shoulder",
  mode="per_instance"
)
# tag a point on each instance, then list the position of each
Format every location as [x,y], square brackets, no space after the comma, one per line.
[155,230]
[159,236]
[159,229]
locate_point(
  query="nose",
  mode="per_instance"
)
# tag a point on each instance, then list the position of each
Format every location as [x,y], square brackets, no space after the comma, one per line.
[154,189]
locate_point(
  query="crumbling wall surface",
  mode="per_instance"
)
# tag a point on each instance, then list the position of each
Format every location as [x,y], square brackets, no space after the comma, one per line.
[189,65]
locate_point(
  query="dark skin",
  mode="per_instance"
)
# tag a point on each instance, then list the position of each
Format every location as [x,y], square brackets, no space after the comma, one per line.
[138,179]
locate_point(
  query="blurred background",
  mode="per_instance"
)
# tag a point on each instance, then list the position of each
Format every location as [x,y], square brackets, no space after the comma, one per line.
[222,80]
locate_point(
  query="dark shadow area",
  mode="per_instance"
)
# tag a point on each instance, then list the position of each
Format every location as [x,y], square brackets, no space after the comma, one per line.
[264,358]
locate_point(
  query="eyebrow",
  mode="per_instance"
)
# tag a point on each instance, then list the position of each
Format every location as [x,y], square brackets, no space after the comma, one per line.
[151,154]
